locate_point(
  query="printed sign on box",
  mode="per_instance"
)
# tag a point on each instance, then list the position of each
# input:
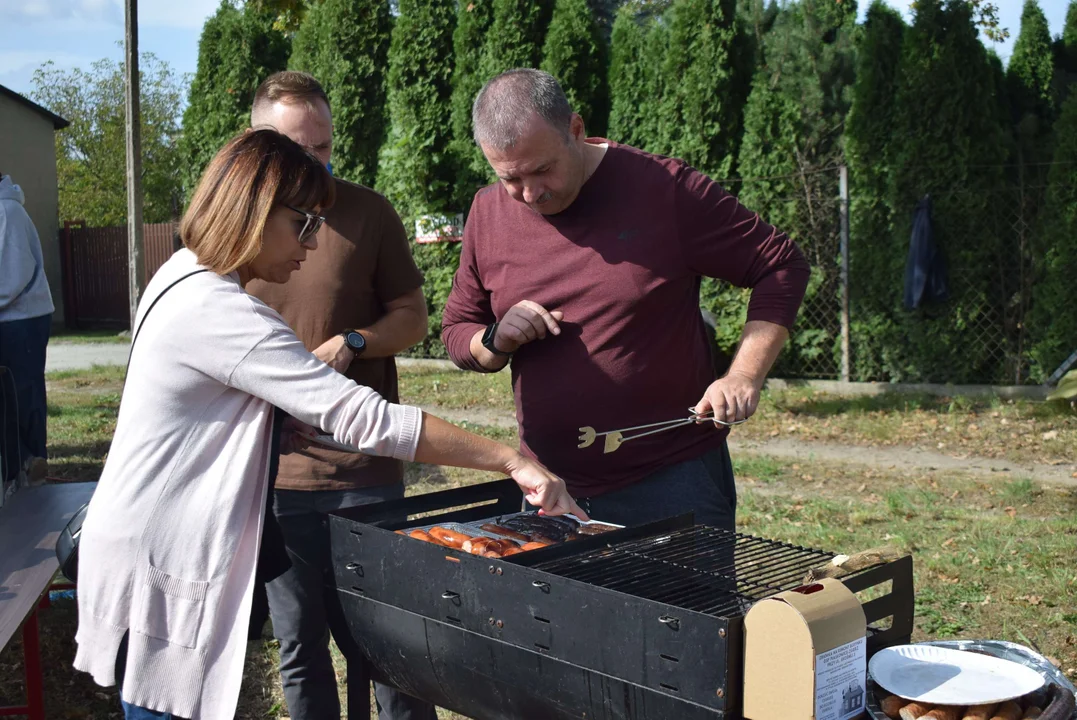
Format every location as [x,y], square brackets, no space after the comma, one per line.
[839,681]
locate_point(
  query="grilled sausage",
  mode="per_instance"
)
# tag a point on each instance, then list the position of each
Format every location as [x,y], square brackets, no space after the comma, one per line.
[498,530]
[1032,713]
[449,538]
[477,545]
[514,549]
[944,712]
[535,545]
[914,711]
[891,705]
[422,535]
[980,712]
[1008,710]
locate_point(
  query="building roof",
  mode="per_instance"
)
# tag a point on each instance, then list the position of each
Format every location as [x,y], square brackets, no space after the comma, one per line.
[58,123]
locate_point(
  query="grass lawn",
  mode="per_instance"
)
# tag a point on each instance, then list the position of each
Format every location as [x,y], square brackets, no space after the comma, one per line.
[83,337]
[993,558]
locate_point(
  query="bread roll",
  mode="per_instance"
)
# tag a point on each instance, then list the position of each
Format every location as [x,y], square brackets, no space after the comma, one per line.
[980,712]
[944,712]
[1008,710]
[914,711]
[891,705]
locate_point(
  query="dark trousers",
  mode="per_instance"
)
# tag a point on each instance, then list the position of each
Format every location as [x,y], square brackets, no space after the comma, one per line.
[22,351]
[703,486]
[304,613]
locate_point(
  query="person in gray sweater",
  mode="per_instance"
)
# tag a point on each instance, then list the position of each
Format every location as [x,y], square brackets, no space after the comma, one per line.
[25,319]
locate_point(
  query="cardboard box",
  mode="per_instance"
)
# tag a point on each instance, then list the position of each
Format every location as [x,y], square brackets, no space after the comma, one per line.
[805,655]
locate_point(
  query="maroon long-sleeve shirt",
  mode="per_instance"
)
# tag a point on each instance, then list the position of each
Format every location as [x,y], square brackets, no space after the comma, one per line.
[623,263]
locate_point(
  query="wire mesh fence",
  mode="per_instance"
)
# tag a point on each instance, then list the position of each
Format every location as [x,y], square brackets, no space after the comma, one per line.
[992,240]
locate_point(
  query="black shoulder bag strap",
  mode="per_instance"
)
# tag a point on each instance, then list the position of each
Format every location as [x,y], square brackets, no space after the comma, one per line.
[146,314]
[67,545]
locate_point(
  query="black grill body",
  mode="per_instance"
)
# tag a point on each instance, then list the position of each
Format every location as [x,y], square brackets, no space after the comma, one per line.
[640,623]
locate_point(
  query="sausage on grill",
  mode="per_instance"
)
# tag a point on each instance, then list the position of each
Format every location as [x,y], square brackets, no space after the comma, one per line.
[422,535]
[535,545]
[498,530]
[449,538]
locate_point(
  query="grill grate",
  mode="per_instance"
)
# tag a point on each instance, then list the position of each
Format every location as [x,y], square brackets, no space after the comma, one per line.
[704,569]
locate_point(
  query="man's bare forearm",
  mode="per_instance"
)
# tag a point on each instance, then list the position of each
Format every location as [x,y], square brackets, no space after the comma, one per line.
[394,332]
[487,359]
[760,343]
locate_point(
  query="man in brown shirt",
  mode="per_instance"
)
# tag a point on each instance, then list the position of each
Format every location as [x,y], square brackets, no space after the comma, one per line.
[355,303]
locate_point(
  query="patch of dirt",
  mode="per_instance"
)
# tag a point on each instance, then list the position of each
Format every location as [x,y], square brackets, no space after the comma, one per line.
[905,458]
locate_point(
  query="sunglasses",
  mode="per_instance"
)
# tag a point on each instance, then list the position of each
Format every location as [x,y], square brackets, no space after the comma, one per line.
[310,227]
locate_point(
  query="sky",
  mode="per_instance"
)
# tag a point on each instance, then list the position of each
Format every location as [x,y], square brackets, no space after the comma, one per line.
[75,33]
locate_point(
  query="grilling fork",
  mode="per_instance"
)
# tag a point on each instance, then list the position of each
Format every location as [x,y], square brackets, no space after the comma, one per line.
[616,438]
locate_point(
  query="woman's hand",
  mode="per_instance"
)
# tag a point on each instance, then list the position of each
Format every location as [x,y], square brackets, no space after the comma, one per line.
[543,489]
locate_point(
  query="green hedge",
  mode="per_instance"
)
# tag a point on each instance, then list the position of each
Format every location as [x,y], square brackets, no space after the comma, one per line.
[345,45]
[237,50]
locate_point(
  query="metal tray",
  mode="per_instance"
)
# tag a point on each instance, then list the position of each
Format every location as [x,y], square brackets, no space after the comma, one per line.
[474,528]
[999,648]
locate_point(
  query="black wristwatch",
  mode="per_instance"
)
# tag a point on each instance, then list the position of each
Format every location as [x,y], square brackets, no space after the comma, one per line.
[488,340]
[355,341]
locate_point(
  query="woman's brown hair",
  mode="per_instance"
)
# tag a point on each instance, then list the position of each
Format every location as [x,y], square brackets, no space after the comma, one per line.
[254,173]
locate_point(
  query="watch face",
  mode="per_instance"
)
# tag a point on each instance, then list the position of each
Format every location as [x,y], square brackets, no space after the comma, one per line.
[355,341]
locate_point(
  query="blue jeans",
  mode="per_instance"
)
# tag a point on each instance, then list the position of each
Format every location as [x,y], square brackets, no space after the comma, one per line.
[703,486]
[22,351]
[134,712]
[305,612]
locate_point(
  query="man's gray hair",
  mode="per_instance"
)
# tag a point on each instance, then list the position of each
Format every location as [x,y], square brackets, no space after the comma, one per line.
[504,106]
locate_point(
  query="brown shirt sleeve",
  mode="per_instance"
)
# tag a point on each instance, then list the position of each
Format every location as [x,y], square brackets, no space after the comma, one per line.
[396,273]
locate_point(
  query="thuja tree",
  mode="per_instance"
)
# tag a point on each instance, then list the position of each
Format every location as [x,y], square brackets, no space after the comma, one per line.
[1053,320]
[516,36]
[345,45]
[417,168]
[867,151]
[707,67]
[237,50]
[472,24]
[949,141]
[576,53]
[792,146]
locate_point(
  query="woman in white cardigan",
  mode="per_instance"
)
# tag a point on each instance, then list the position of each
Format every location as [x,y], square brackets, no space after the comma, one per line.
[170,543]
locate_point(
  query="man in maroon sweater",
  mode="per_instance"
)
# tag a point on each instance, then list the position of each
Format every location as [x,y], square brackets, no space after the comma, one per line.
[582,266]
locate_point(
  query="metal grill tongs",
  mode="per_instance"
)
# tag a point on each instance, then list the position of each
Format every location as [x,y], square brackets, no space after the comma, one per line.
[616,438]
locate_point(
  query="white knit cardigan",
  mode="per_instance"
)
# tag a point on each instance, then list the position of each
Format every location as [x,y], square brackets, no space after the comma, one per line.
[170,542]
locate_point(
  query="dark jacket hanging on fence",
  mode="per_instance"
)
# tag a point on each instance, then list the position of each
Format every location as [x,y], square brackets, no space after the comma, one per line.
[925,269]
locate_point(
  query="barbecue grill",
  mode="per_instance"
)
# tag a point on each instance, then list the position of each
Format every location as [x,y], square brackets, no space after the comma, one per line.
[640,623]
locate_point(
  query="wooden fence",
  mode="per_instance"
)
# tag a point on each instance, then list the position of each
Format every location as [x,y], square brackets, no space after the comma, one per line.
[94,262]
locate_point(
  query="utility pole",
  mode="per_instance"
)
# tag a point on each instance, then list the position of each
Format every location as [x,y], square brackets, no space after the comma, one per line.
[136,268]
[843,214]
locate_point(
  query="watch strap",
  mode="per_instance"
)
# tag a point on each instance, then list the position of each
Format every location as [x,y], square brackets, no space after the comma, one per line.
[488,340]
